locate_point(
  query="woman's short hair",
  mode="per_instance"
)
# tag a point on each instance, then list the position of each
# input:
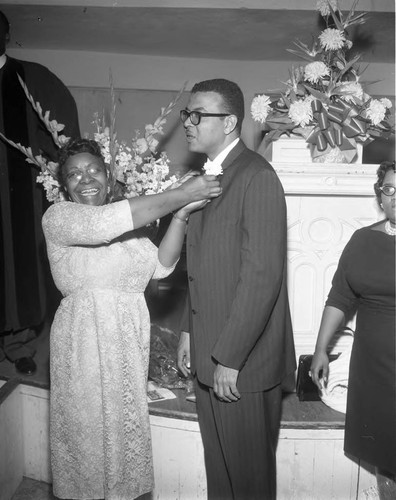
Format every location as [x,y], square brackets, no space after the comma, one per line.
[74,147]
[383,169]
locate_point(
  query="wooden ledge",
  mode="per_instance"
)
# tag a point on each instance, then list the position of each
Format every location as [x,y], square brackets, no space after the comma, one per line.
[8,388]
[295,414]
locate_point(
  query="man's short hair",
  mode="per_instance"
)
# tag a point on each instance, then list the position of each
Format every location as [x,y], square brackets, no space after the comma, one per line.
[231,93]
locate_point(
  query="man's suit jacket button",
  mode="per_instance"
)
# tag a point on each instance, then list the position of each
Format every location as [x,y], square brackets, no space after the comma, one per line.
[193,311]
[190,278]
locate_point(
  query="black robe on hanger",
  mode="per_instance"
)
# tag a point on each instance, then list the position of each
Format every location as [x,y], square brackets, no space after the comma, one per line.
[26,288]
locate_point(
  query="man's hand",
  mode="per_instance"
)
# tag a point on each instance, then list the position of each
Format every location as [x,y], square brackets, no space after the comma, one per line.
[183,353]
[225,383]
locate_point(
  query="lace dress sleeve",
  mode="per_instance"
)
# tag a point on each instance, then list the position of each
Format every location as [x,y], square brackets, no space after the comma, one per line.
[162,271]
[67,223]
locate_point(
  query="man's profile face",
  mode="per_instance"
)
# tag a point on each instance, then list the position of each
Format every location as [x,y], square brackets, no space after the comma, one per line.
[208,136]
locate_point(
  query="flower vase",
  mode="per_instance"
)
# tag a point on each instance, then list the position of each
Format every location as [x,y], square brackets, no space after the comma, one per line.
[295,149]
[291,149]
[337,155]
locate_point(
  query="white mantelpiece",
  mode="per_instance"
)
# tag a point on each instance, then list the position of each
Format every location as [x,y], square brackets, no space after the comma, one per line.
[327,179]
[326,203]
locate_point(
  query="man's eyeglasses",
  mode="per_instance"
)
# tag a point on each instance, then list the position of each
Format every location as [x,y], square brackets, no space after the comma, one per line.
[388,190]
[195,116]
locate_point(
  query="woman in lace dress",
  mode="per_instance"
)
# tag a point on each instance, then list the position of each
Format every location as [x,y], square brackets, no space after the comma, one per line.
[100,337]
[365,282]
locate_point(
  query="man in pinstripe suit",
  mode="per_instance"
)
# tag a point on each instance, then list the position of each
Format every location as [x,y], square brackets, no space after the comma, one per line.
[236,330]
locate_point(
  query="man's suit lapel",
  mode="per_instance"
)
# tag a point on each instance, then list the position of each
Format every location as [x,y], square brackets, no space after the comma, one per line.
[230,164]
[231,158]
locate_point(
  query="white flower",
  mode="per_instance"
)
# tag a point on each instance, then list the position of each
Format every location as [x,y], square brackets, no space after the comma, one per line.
[141,146]
[152,144]
[350,90]
[315,71]
[323,6]
[62,140]
[260,108]
[51,186]
[332,39]
[212,168]
[138,160]
[167,183]
[300,112]
[386,102]
[376,111]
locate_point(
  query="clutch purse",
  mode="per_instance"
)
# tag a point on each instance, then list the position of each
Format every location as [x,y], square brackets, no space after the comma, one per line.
[305,388]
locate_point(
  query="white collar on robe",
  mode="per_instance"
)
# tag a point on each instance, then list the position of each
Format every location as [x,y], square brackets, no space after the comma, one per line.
[3,59]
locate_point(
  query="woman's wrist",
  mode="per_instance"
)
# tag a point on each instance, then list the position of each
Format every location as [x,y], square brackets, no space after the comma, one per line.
[182,217]
[319,349]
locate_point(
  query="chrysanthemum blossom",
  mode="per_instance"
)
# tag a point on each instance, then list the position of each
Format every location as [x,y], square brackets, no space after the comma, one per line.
[376,111]
[323,6]
[315,71]
[300,112]
[350,91]
[386,102]
[332,39]
[260,108]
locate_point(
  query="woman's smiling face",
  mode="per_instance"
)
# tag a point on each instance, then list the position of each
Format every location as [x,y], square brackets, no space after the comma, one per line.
[86,179]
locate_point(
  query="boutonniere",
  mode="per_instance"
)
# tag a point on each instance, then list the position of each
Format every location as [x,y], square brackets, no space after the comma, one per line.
[212,168]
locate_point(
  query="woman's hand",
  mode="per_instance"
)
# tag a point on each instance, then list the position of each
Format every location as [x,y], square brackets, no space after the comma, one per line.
[332,319]
[146,209]
[201,187]
[185,212]
[320,369]
[183,354]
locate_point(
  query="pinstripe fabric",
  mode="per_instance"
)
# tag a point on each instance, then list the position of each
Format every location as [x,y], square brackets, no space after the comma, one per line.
[240,443]
[237,312]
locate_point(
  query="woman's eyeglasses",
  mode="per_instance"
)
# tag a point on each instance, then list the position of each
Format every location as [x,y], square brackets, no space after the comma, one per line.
[388,190]
[195,116]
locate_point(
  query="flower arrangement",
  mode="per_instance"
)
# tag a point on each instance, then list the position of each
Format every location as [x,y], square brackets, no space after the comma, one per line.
[325,101]
[135,169]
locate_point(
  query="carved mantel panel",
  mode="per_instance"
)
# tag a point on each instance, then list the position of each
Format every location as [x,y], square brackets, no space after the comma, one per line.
[326,204]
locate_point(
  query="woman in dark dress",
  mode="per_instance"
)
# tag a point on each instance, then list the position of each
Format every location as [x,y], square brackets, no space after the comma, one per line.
[365,282]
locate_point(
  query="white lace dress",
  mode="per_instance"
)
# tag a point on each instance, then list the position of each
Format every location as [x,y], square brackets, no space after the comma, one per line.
[99,352]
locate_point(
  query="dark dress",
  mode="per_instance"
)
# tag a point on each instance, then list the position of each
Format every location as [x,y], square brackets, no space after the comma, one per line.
[365,279]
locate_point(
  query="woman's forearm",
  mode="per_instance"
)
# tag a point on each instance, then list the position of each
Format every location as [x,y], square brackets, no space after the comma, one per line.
[332,319]
[171,244]
[146,209]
